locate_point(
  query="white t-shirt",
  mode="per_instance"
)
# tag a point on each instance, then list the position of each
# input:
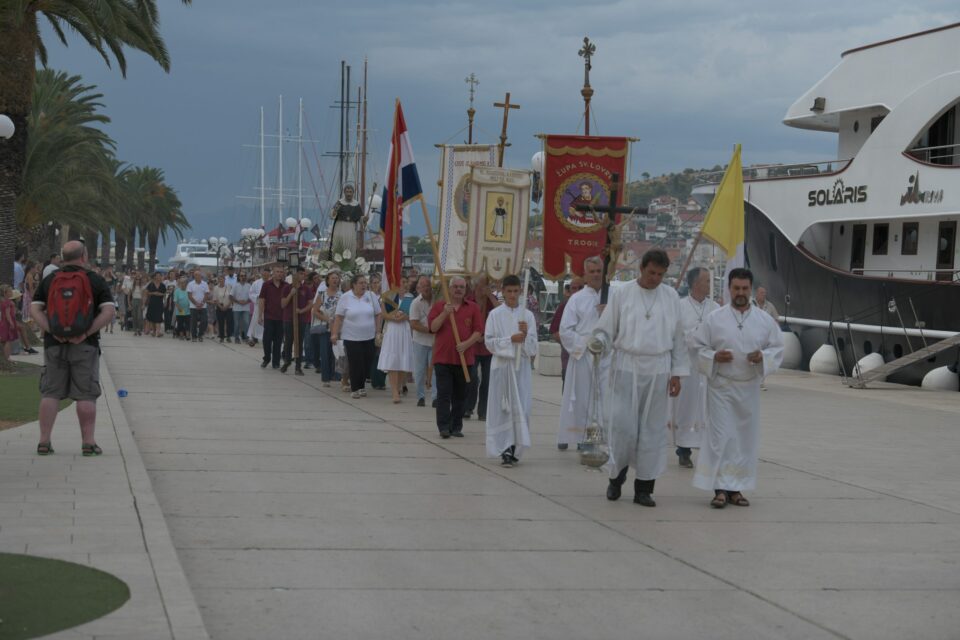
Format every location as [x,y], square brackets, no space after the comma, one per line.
[50,268]
[419,310]
[199,291]
[241,293]
[358,316]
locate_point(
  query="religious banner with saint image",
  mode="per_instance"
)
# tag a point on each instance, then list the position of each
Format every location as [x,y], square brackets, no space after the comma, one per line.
[497,228]
[455,164]
[577,170]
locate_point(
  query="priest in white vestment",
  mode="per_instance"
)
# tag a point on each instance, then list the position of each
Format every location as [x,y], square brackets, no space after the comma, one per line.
[688,410]
[641,325]
[737,345]
[580,316]
[509,327]
[255,332]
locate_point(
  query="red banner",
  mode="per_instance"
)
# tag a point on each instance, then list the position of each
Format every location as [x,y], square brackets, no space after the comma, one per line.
[577,170]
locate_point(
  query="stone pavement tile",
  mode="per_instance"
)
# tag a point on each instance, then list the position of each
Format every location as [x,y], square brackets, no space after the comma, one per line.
[878,614]
[304,463]
[799,510]
[374,532]
[304,432]
[396,506]
[504,614]
[345,449]
[342,482]
[765,571]
[438,570]
[679,537]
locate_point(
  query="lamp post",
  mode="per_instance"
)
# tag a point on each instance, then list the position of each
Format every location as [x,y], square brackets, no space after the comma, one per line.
[293,256]
[250,240]
[218,245]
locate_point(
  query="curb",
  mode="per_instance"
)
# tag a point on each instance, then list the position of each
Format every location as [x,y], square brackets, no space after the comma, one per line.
[179,605]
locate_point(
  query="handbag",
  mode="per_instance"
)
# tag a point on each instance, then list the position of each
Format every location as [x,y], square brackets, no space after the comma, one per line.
[318,326]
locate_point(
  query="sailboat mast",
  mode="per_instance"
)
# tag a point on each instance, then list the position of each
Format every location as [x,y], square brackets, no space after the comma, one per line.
[263,177]
[346,127]
[364,203]
[300,164]
[280,161]
[343,68]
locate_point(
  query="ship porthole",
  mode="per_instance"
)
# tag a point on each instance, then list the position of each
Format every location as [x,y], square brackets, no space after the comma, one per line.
[867,347]
[856,126]
[842,229]
[898,351]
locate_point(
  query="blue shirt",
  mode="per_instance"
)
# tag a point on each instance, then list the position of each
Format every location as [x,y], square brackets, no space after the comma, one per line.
[181,301]
[18,275]
[406,301]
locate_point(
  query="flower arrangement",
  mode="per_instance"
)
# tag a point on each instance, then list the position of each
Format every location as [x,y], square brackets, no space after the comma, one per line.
[345,262]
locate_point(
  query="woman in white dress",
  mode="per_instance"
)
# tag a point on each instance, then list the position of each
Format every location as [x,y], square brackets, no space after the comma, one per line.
[397,346]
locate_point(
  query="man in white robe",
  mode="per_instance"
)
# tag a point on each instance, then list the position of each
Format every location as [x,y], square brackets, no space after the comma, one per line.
[688,410]
[509,327]
[580,316]
[641,325]
[255,332]
[737,345]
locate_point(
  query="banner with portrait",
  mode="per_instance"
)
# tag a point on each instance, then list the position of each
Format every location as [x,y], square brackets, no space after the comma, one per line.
[497,228]
[455,164]
[577,170]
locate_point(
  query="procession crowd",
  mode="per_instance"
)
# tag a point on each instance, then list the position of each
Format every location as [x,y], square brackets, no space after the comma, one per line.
[647,365]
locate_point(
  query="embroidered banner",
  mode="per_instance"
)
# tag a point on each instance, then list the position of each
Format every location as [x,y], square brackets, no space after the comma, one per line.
[455,164]
[577,170]
[497,227]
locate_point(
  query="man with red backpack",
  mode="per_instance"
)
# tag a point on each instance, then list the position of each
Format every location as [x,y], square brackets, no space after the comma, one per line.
[71,306]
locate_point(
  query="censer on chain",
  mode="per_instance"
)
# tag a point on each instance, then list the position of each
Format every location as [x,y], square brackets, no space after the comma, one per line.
[594,451]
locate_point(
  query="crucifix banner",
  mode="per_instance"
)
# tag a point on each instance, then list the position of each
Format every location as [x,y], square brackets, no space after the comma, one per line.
[497,228]
[578,171]
[455,164]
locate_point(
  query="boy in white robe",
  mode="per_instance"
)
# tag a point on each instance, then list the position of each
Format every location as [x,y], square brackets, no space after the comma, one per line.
[737,345]
[509,327]
[641,326]
[255,332]
[580,316]
[688,410]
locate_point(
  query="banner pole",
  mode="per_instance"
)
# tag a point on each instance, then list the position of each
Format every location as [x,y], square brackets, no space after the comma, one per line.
[686,263]
[443,284]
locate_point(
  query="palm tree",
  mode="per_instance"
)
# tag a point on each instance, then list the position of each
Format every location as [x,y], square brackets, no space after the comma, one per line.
[152,210]
[109,26]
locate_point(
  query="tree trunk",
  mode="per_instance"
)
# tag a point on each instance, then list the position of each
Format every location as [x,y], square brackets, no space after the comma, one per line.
[18,47]
[90,237]
[153,238]
[140,254]
[120,250]
[131,246]
[105,258]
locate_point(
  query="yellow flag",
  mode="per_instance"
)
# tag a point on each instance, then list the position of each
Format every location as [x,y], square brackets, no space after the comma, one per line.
[724,222]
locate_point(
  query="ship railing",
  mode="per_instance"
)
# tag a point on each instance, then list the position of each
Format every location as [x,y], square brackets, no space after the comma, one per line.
[779,171]
[945,154]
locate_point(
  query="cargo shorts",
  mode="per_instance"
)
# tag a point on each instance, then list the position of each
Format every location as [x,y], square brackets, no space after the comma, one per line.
[71,371]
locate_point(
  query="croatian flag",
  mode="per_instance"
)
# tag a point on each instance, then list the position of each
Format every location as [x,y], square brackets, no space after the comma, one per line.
[400,187]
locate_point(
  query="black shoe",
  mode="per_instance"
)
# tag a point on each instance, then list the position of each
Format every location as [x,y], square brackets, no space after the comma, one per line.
[562,446]
[308,366]
[31,351]
[275,367]
[263,365]
[614,487]
[283,369]
[298,372]
[467,415]
[421,403]
[444,434]
[642,493]
[685,461]
[506,460]
[457,434]
[434,404]
[481,418]
[221,340]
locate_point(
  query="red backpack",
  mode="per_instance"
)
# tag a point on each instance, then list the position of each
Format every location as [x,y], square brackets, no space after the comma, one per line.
[70,304]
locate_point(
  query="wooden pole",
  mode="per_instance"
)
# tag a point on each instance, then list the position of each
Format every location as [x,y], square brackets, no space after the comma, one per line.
[686,262]
[443,284]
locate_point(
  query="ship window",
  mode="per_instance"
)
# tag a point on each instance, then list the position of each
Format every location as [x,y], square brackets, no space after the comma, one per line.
[867,347]
[875,122]
[898,350]
[773,251]
[881,235]
[911,233]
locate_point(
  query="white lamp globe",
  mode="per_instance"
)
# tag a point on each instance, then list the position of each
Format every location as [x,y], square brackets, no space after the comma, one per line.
[375,202]
[212,240]
[291,223]
[223,240]
[243,232]
[536,162]
[6,127]
[261,233]
[305,223]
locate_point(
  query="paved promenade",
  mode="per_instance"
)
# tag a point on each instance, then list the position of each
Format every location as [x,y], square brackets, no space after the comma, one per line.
[297,512]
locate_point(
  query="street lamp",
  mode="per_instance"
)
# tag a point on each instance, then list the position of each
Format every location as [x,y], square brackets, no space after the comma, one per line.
[219,246]
[294,257]
[250,240]
[536,190]
[7,129]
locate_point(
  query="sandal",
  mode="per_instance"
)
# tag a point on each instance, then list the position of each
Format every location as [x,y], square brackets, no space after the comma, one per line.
[736,498]
[44,448]
[91,450]
[719,500]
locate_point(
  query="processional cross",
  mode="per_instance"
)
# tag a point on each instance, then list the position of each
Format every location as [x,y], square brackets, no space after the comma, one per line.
[609,221]
[473,82]
[506,106]
[586,52]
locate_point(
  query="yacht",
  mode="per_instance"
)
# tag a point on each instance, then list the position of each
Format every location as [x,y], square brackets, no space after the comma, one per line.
[194,254]
[860,252]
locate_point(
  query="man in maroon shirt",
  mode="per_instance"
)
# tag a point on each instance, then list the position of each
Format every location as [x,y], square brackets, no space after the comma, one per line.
[304,296]
[480,371]
[451,383]
[270,310]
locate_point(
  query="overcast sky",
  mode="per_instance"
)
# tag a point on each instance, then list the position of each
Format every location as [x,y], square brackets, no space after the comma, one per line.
[689,79]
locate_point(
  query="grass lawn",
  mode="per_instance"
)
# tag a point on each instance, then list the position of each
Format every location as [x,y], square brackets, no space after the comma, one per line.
[20,395]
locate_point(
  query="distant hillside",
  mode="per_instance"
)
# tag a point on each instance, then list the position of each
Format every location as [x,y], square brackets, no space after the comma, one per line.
[678,185]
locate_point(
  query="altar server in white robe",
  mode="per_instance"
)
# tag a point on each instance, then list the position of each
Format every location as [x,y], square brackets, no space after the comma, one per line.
[580,316]
[688,410]
[641,325]
[737,345]
[255,332]
[509,326]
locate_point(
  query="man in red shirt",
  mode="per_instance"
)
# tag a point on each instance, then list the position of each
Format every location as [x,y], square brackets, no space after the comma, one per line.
[270,309]
[451,383]
[480,371]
